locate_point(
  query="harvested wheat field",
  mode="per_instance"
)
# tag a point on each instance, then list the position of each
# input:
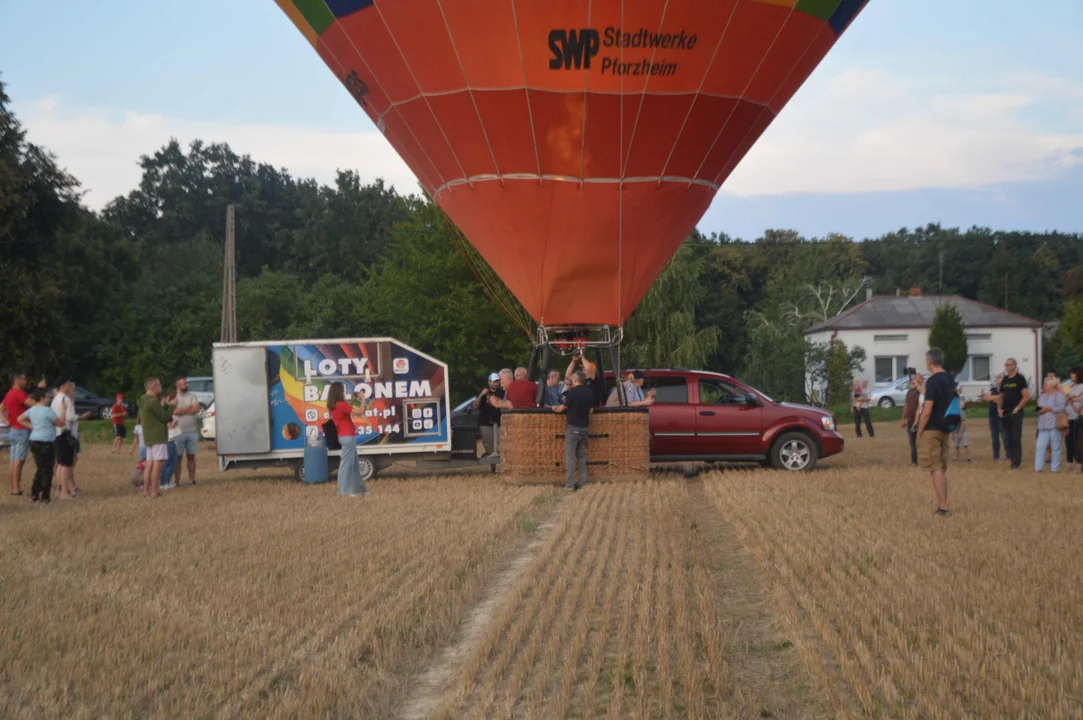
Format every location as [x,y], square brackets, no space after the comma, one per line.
[738,593]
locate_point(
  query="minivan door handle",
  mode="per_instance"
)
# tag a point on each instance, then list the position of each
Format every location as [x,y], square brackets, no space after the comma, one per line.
[706,412]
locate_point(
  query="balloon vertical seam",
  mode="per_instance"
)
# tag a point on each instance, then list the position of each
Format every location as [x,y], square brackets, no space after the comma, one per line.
[643,95]
[751,79]
[526,91]
[473,102]
[424,97]
[583,136]
[699,91]
[414,165]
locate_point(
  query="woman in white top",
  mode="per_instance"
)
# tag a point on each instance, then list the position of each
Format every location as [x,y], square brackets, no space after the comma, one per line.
[67,439]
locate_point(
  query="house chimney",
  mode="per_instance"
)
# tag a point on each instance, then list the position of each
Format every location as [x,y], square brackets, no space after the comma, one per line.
[868,293]
[915,292]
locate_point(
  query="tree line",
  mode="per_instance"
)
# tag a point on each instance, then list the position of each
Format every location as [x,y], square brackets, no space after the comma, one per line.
[112,296]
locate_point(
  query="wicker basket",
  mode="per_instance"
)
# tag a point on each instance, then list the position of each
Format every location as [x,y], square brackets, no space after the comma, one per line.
[532,444]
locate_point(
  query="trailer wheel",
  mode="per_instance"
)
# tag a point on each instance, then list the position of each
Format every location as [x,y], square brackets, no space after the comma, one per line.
[299,471]
[368,469]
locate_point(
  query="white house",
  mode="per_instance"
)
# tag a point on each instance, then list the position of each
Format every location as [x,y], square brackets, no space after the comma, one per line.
[894,332]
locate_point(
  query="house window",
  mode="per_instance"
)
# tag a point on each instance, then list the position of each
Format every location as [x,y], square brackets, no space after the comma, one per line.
[976,369]
[890,338]
[979,337]
[890,368]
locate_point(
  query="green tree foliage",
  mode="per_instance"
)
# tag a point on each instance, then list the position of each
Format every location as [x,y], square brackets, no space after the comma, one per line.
[949,334]
[1071,330]
[663,331]
[1066,360]
[830,369]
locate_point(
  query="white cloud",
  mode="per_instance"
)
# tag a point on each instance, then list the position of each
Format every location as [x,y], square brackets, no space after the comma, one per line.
[860,130]
[866,131]
[101,148]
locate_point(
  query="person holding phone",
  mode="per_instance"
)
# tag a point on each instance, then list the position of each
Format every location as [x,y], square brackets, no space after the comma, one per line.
[343,413]
[1074,395]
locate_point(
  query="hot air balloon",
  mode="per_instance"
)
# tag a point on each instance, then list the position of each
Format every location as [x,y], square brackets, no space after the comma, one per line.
[575,143]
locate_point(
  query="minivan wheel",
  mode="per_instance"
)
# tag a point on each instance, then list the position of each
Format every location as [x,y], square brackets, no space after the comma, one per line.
[795,452]
[886,402]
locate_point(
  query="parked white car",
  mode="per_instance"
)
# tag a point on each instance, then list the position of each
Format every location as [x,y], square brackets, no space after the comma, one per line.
[207,429]
[203,389]
[4,441]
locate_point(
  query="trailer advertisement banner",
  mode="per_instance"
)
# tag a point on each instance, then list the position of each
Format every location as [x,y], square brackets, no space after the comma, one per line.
[402,393]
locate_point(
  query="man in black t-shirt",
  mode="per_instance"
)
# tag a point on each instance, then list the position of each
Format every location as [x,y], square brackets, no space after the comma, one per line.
[489,415]
[933,435]
[1014,396]
[579,402]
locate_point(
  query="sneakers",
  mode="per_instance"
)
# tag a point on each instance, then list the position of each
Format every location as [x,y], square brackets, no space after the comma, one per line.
[941,512]
[168,486]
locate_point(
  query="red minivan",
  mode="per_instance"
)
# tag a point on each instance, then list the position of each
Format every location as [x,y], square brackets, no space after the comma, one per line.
[706,416]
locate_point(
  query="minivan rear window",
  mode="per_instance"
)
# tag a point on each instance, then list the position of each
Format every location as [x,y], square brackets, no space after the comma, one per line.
[671,389]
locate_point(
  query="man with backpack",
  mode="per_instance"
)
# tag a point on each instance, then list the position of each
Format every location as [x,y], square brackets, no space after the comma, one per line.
[940,416]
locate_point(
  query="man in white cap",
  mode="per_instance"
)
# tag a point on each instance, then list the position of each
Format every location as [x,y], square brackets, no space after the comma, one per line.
[489,415]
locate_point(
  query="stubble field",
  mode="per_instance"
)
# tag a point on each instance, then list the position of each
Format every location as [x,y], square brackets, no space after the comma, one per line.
[739,593]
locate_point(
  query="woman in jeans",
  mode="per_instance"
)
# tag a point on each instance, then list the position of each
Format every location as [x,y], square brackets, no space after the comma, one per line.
[1050,403]
[350,481]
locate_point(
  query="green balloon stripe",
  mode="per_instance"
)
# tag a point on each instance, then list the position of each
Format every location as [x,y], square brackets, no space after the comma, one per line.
[317,14]
[822,9]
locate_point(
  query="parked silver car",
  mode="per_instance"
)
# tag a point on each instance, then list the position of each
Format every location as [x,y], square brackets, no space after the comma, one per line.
[893,395]
[203,389]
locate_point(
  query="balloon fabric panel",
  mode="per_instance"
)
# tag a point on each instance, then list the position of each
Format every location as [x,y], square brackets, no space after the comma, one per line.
[575,143]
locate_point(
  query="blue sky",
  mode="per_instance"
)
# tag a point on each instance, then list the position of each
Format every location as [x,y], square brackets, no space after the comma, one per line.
[954,111]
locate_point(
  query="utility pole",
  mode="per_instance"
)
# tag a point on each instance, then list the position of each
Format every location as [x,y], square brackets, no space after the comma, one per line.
[940,288]
[229,283]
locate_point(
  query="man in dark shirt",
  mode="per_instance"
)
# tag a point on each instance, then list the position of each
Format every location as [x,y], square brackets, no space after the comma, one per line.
[996,428]
[911,411]
[1014,396]
[578,404]
[933,435]
[489,415]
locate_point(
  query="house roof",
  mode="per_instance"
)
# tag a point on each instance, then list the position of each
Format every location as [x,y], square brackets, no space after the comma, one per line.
[885,312]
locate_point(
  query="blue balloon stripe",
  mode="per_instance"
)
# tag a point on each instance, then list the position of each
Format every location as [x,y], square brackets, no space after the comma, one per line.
[844,13]
[342,8]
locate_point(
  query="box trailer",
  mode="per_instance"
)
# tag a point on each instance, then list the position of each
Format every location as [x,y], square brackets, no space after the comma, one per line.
[271,399]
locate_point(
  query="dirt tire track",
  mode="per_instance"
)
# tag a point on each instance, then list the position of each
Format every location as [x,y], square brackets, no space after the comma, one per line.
[428,688]
[768,680]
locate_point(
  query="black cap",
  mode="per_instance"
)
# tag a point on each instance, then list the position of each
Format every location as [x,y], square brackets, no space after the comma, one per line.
[638,374]
[61,381]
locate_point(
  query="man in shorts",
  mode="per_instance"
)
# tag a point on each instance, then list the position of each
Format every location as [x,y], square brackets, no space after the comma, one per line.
[186,415]
[155,416]
[120,414]
[934,439]
[17,402]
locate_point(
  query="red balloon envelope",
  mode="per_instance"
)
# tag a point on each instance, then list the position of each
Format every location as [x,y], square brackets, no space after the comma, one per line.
[575,143]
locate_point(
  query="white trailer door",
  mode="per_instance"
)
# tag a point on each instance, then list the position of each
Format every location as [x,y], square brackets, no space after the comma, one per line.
[242,411]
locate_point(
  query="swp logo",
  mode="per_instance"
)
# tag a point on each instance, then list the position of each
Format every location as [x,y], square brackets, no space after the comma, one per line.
[573,47]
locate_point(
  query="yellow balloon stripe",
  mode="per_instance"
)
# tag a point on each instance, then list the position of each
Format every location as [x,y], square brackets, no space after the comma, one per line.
[299,20]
